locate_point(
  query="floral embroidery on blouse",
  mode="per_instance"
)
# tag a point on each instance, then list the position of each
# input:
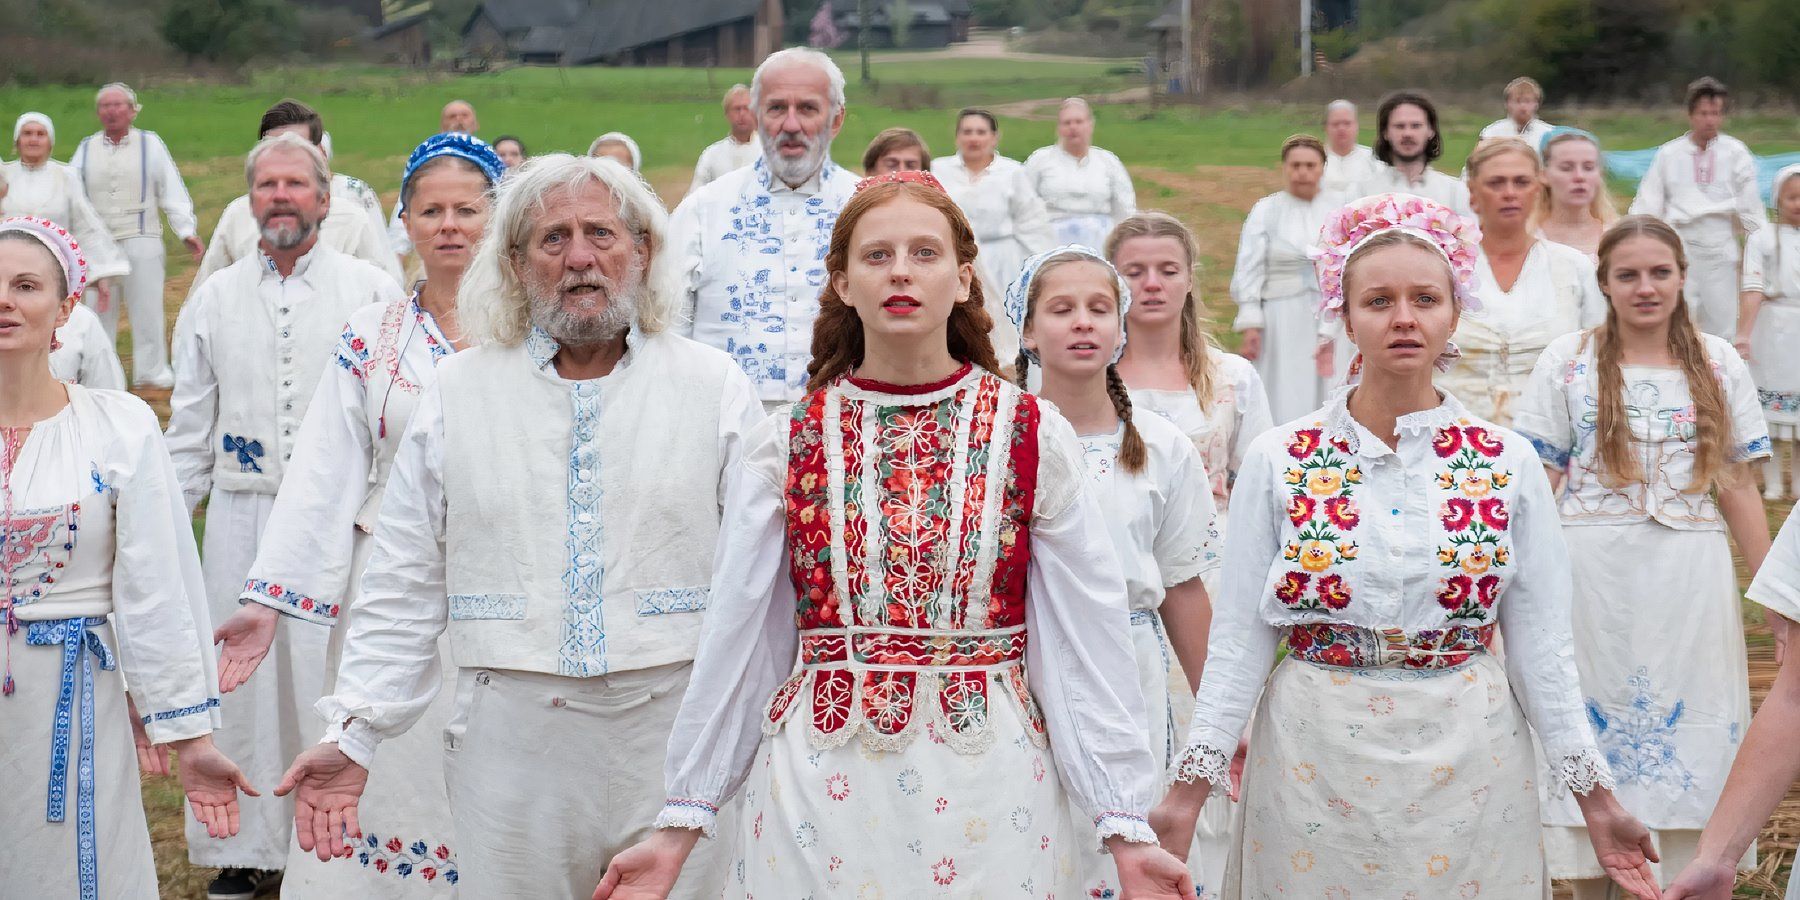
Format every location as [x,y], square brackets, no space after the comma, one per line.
[1321,504]
[1474,517]
[392,856]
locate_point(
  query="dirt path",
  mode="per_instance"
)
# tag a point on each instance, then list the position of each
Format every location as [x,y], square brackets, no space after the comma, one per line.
[983,43]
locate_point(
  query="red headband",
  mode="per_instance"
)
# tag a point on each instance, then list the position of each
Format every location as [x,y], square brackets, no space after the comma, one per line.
[908,176]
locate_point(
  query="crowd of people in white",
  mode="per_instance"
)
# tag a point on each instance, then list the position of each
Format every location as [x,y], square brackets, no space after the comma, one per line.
[846,503]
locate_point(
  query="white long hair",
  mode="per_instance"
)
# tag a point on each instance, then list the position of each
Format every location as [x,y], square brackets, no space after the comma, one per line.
[491,302]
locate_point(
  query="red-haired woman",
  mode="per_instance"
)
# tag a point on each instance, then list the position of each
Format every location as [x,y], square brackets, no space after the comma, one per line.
[917,534]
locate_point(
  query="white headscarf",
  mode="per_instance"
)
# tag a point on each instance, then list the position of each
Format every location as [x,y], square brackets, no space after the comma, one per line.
[637,157]
[31,118]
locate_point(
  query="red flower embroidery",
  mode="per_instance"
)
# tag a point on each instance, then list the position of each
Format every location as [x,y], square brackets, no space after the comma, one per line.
[1342,511]
[944,871]
[381,865]
[1333,592]
[1483,442]
[394,845]
[1300,508]
[442,852]
[1457,514]
[1447,442]
[1487,590]
[1299,639]
[1291,587]
[1455,590]
[1493,512]
[1303,443]
[1337,655]
[428,873]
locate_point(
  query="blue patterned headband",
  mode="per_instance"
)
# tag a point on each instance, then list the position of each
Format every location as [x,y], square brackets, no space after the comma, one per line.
[1563,131]
[462,146]
[1018,293]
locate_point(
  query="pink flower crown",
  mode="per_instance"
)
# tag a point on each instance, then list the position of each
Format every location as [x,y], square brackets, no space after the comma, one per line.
[905,176]
[1457,238]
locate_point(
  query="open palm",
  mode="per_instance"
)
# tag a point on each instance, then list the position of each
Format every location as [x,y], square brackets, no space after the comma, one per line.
[1700,881]
[1625,851]
[212,782]
[244,640]
[327,785]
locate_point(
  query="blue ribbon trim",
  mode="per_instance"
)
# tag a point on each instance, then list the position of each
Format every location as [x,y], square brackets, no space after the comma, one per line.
[75,635]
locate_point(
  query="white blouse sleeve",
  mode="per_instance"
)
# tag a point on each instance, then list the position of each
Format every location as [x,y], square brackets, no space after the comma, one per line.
[690,255]
[1186,544]
[1759,271]
[159,597]
[1749,430]
[172,193]
[1542,417]
[1535,622]
[1241,646]
[748,643]
[1082,669]
[1253,418]
[388,674]
[1749,208]
[1652,193]
[194,404]
[303,562]
[1031,221]
[1124,195]
[99,367]
[1252,266]
[1777,583]
[373,247]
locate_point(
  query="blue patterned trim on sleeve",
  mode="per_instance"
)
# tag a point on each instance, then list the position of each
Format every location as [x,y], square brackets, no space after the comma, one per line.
[167,714]
[1756,448]
[1551,454]
[292,603]
[583,652]
[659,601]
[487,606]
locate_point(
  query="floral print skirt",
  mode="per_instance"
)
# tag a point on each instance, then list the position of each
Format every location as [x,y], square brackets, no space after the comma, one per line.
[1397,783]
[925,821]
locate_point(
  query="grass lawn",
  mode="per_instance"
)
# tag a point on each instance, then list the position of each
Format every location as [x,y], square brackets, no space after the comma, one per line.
[1205,164]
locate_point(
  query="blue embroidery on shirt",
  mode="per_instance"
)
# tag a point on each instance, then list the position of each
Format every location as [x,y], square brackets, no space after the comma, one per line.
[1551,454]
[487,606]
[167,714]
[1639,740]
[660,601]
[101,485]
[1756,447]
[584,625]
[248,452]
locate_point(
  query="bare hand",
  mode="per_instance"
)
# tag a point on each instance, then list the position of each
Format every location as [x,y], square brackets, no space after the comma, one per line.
[196,248]
[1743,347]
[1236,791]
[1324,360]
[1251,347]
[212,782]
[1174,818]
[152,759]
[647,871]
[102,295]
[1782,629]
[245,637]
[1701,881]
[326,786]
[1148,872]
[1623,846]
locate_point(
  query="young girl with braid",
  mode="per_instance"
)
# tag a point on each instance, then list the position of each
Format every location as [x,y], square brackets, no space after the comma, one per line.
[1069,304]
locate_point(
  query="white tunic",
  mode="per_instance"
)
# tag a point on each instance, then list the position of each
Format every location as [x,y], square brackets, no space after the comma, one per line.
[1433,185]
[1010,221]
[1240,412]
[1343,173]
[751,258]
[1277,290]
[130,180]
[722,156]
[53,191]
[576,550]
[1556,293]
[1772,267]
[1532,133]
[1085,197]
[86,356]
[1706,194]
[353,226]
[96,530]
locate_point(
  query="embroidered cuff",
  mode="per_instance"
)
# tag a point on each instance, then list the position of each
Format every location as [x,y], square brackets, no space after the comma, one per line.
[1582,772]
[688,812]
[288,603]
[165,726]
[1135,829]
[1249,315]
[1756,448]
[356,741]
[1202,763]
[1549,453]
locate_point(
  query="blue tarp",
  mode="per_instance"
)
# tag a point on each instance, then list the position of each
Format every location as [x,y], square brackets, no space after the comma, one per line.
[1630,166]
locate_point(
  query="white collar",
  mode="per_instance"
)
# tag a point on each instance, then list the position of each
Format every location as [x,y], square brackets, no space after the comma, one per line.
[1342,426]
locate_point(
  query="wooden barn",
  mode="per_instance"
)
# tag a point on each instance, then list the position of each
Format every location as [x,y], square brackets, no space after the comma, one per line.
[734,33]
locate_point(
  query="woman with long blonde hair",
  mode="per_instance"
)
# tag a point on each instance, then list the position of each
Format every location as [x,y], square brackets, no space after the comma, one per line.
[1574,208]
[1648,422]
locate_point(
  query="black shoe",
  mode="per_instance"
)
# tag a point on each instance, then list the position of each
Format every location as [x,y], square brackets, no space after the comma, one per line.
[241,884]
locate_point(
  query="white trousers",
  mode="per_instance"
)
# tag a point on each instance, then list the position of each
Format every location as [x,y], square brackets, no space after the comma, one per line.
[140,293]
[550,777]
[1712,287]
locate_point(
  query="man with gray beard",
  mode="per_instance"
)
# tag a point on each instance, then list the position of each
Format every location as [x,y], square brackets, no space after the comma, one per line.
[752,244]
[249,349]
[554,505]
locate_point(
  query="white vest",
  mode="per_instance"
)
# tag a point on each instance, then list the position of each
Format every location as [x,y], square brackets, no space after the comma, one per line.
[581,516]
[122,183]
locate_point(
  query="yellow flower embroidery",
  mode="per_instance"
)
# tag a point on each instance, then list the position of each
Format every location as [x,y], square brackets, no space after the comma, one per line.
[1437,865]
[1325,482]
[1476,484]
[1443,775]
[1302,861]
[1305,773]
[1447,556]
[976,830]
[1354,476]
[1477,562]
[1291,552]
[1502,556]
[1317,556]
[1446,481]
[1295,476]
[1346,551]
[1502,479]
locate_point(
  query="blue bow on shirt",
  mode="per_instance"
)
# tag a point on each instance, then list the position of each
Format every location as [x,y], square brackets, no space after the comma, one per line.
[247,452]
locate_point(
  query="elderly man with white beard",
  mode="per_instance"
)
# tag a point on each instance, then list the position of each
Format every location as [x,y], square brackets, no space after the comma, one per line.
[249,349]
[554,505]
[752,243]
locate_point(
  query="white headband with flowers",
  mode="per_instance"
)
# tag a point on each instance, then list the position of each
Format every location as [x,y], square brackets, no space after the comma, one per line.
[1456,238]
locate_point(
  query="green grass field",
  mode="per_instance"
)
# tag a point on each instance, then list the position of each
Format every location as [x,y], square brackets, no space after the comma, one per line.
[1206,164]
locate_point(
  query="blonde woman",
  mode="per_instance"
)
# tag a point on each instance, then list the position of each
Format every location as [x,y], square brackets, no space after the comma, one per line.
[1574,208]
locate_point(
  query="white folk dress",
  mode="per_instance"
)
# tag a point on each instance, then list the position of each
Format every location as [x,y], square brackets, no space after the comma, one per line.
[1010,221]
[1344,173]
[1659,636]
[86,356]
[1391,752]
[1277,291]
[1777,587]
[101,580]
[53,191]
[1532,133]
[916,591]
[1085,197]
[308,565]
[1433,185]
[722,156]
[1709,196]
[1555,294]
[1240,412]
[1162,523]
[249,351]
[1772,266]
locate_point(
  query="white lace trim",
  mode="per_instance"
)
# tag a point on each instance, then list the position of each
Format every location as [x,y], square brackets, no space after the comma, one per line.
[1582,772]
[1340,424]
[1202,763]
[687,817]
[1135,829]
[927,712]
